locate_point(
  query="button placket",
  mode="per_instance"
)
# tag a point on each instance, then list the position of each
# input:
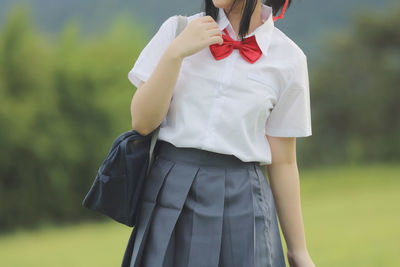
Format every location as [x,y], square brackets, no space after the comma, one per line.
[219,97]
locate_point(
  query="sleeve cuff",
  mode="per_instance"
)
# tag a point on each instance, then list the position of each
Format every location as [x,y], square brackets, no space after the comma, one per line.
[289,132]
[135,77]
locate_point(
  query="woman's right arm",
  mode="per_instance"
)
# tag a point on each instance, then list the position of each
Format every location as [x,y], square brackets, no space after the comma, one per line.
[152,98]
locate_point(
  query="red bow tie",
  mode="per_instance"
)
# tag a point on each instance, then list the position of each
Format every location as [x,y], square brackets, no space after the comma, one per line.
[248,49]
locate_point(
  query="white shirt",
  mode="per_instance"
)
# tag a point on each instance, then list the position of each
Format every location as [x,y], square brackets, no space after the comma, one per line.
[228,106]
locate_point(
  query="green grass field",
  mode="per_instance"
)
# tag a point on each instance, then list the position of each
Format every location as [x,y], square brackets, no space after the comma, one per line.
[351,216]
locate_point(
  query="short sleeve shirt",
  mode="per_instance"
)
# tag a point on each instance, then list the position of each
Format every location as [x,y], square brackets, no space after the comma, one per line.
[229,105]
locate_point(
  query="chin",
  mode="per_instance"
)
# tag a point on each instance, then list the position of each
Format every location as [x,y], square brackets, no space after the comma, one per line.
[223,3]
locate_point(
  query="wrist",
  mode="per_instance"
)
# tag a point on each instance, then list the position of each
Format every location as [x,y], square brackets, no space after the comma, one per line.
[174,51]
[293,253]
[300,258]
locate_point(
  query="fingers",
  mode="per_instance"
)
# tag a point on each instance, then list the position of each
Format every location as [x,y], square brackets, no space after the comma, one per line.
[206,18]
[216,40]
[211,25]
[215,32]
[207,31]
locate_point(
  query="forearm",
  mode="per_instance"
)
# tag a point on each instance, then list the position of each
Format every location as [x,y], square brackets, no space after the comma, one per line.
[151,101]
[285,186]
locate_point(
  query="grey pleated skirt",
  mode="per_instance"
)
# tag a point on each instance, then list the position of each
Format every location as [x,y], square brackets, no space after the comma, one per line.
[204,209]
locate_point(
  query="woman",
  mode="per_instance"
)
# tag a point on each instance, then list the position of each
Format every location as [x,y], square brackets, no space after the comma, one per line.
[225,108]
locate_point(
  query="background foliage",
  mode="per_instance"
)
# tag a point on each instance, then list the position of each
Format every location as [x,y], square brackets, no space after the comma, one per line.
[355,89]
[62,102]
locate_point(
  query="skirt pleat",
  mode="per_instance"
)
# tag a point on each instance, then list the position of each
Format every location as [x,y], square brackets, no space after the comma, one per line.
[204,209]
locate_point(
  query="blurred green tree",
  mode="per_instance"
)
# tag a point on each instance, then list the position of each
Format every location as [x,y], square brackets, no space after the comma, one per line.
[63,100]
[355,90]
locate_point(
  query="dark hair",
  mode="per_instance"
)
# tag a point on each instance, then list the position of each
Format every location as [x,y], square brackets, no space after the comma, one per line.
[249,7]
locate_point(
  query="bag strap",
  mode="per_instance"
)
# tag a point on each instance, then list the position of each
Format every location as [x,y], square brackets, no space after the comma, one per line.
[180,25]
[182,21]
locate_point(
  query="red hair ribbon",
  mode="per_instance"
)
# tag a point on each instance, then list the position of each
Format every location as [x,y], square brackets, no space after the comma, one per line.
[282,12]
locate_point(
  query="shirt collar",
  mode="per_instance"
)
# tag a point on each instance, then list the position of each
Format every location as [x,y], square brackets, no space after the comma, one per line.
[262,33]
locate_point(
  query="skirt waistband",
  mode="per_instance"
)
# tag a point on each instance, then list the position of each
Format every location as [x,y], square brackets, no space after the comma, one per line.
[200,157]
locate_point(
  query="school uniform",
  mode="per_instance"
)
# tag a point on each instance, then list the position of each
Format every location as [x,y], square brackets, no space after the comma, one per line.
[206,201]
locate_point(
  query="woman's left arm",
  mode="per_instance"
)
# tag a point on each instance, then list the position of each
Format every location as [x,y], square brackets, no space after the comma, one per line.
[285,185]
